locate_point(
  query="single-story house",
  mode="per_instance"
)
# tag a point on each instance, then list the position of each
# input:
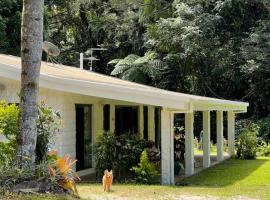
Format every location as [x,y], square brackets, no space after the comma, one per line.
[90,102]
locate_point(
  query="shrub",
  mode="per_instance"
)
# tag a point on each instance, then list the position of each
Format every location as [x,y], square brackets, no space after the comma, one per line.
[264,131]
[49,176]
[264,149]
[247,142]
[263,123]
[9,130]
[153,152]
[117,152]
[146,171]
[104,152]
[48,125]
[128,148]
[12,174]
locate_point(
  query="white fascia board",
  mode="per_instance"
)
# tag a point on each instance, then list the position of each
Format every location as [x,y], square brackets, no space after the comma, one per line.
[111,92]
[224,106]
[103,90]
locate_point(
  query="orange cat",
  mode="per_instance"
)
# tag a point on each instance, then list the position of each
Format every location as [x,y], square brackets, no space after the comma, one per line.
[107,180]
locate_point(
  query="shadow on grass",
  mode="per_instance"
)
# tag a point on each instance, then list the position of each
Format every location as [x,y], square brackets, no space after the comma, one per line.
[226,173]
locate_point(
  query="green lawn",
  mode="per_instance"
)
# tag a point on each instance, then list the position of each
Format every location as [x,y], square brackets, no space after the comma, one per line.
[233,178]
[249,178]
[213,151]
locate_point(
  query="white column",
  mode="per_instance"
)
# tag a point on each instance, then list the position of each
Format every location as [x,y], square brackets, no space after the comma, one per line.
[141,121]
[189,145]
[219,136]
[231,133]
[97,120]
[167,148]
[172,148]
[151,123]
[206,139]
[112,118]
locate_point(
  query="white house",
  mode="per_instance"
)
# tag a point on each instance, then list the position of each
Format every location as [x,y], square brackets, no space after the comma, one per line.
[90,102]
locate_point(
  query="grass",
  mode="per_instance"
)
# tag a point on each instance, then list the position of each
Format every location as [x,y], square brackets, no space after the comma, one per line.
[246,178]
[249,178]
[212,152]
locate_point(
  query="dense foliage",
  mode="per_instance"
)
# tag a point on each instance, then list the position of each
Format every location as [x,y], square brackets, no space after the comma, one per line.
[9,130]
[145,171]
[10,26]
[49,125]
[117,152]
[246,145]
[263,124]
[216,48]
[264,149]
[11,174]
[58,176]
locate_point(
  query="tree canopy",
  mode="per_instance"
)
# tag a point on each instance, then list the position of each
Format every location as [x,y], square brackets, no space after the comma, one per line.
[218,48]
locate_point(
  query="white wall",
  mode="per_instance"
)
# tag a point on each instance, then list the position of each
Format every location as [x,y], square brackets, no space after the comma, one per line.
[65,143]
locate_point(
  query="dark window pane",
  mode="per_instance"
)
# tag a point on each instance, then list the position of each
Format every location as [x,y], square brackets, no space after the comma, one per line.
[106,117]
[157,126]
[126,119]
[145,122]
[83,137]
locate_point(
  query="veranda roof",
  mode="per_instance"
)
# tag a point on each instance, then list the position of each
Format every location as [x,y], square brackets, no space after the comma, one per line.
[74,80]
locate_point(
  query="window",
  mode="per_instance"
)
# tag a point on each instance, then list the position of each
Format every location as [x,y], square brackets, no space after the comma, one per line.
[145,122]
[126,119]
[157,126]
[106,117]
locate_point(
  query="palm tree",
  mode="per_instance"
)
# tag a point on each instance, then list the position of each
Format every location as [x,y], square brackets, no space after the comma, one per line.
[31,52]
[137,69]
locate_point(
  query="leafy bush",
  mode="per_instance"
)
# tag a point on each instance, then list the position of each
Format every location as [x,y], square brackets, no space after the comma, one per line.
[247,142]
[145,171]
[264,131]
[104,152]
[128,148]
[11,174]
[54,173]
[263,124]
[153,153]
[9,130]
[117,152]
[48,125]
[264,149]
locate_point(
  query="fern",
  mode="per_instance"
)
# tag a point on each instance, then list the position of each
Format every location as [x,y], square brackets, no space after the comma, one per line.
[136,68]
[118,70]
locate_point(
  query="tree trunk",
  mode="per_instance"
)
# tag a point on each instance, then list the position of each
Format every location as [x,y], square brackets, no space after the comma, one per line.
[31,52]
